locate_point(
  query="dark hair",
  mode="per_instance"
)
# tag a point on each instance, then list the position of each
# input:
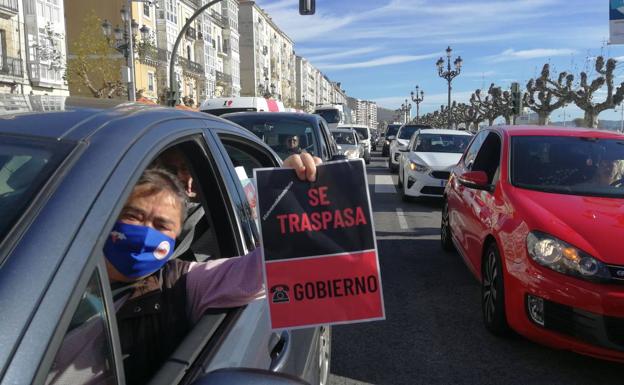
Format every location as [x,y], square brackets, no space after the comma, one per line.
[160,179]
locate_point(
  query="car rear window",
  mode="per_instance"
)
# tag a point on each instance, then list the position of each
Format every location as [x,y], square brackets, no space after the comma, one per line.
[362,131]
[330,116]
[392,130]
[344,137]
[25,166]
[221,111]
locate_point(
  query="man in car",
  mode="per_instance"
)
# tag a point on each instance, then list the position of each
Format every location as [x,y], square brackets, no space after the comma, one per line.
[291,144]
[158,299]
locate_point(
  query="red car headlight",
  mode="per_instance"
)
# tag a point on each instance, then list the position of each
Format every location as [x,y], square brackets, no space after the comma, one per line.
[564,258]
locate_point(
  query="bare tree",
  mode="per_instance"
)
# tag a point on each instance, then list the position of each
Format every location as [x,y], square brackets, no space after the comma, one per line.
[485,106]
[544,95]
[502,102]
[584,95]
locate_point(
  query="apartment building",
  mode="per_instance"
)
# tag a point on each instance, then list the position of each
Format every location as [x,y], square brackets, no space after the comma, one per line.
[268,62]
[365,111]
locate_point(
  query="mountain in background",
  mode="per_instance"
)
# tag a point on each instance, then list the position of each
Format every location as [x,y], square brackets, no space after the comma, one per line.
[385,114]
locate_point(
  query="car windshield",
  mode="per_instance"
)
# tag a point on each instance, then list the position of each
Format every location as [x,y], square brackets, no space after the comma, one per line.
[25,165]
[344,137]
[568,165]
[284,135]
[441,143]
[330,116]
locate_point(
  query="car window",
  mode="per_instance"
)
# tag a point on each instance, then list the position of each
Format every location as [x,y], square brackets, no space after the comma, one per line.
[277,131]
[330,115]
[245,157]
[85,354]
[344,137]
[473,149]
[441,143]
[488,157]
[25,166]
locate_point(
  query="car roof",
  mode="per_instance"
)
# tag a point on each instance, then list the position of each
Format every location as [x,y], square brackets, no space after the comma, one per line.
[559,131]
[444,131]
[274,115]
[353,125]
[77,119]
[342,130]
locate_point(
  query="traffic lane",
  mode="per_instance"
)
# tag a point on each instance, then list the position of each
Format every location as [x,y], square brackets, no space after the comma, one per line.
[434,333]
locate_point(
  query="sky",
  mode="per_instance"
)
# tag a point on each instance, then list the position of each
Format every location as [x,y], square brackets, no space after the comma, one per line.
[381,49]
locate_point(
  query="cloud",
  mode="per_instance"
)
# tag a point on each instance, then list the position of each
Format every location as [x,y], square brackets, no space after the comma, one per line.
[381,61]
[511,54]
[343,53]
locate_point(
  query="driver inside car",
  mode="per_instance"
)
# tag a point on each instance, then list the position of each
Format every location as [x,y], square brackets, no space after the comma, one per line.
[159,299]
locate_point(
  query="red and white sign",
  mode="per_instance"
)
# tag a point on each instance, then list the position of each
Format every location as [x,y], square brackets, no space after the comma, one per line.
[321,264]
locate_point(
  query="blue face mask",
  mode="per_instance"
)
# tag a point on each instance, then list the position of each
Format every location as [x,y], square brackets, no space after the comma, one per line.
[137,251]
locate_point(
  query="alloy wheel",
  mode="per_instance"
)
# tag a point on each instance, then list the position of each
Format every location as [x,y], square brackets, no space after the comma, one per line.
[489,287]
[324,354]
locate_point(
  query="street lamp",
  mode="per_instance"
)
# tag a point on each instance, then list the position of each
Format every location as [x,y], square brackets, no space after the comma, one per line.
[416,98]
[449,75]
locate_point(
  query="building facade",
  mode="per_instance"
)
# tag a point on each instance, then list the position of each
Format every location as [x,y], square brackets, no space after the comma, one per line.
[268,60]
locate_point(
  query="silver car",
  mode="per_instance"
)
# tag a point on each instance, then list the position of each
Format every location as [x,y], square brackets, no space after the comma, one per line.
[348,143]
[64,177]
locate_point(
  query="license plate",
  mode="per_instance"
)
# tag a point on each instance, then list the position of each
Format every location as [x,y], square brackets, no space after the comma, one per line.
[443,183]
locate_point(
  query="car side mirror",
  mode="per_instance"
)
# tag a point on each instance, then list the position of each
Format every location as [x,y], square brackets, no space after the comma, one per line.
[338,157]
[477,180]
[230,376]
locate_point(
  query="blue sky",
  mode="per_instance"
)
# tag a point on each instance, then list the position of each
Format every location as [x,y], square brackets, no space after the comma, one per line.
[381,49]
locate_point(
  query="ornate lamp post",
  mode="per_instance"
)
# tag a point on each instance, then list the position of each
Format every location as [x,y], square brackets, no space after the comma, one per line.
[124,41]
[405,110]
[449,75]
[416,98]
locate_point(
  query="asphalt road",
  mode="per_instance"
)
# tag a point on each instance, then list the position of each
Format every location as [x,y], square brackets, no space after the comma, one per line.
[433,333]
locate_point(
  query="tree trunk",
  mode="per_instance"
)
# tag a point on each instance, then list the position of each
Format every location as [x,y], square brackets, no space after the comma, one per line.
[507,120]
[543,118]
[491,121]
[591,119]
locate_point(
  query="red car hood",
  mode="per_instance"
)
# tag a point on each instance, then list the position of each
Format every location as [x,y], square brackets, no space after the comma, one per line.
[594,224]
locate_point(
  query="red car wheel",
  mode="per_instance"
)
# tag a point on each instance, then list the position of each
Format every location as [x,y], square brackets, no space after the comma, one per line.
[493,293]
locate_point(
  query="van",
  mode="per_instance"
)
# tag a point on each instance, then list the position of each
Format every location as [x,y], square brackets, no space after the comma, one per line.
[334,114]
[220,106]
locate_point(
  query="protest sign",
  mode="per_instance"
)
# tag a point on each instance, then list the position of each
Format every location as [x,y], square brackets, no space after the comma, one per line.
[321,264]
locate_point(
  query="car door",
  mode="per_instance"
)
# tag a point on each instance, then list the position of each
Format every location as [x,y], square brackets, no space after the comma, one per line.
[480,204]
[457,194]
[295,351]
[327,140]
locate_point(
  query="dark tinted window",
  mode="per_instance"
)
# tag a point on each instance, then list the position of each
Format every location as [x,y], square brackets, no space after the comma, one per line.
[392,129]
[221,111]
[25,166]
[331,116]
[568,165]
[406,132]
[441,143]
[285,135]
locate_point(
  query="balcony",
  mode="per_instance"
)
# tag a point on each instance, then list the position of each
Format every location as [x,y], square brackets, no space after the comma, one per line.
[10,66]
[150,55]
[191,66]
[191,33]
[223,78]
[9,5]
[218,18]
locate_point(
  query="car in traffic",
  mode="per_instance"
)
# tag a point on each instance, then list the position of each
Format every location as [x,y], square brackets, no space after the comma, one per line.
[387,137]
[426,164]
[65,176]
[364,134]
[348,143]
[400,141]
[536,214]
[288,132]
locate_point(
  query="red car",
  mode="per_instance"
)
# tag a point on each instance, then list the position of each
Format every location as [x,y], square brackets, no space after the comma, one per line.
[537,214]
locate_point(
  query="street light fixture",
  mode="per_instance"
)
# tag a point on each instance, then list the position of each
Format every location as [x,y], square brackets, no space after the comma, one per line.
[449,75]
[417,98]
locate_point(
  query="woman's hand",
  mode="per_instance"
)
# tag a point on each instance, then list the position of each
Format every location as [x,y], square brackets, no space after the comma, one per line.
[304,165]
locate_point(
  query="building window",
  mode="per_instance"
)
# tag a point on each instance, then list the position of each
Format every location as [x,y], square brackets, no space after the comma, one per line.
[3,49]
[150,81]
[188,52]
[146,9]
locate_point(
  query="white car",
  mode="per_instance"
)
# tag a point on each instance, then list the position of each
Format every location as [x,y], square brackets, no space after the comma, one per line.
[426,162]
[348,142]
[400,142]
[364,134]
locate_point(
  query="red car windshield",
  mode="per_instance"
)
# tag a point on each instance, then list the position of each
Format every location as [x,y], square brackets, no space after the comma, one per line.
[568,165]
